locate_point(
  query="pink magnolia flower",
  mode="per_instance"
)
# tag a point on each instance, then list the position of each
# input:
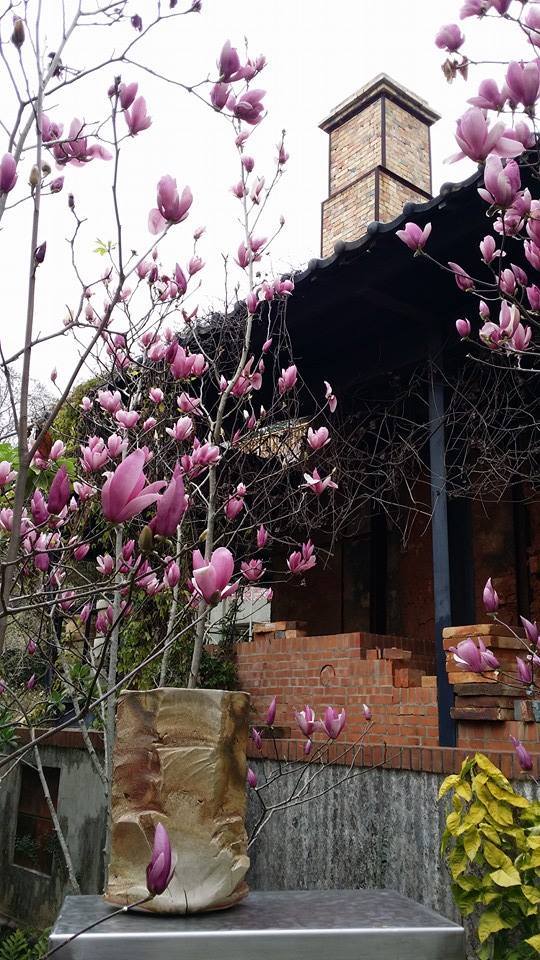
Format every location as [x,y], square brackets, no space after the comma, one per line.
[489,96]
[127,418]
[81,551]
[115,445]
[521,338]
[449,38]
[172,575]
[228,63]
[523,83]
[367,712]
[30,684]
[524,758]
[38,507]
[501,183]
[248,107]
[8,173]
[477,141]
[302,560]
[7,474]
[59,491]
[252,570]
[105,564]
[531,631]
[463,327]
[111,402]
[262,537]
[318,485]
[160,870]
[524,671]
[462,278]
[413,236]
[318,438]
[127,93]
[171,208]
[333,722]
[287,379]
[330,398]
[256,190]
[257,738]
[271,712]
[234,507]
[171,506]
[211,580]
[306,720]
[86,404]
[75,148]
[194,265]
[125,493]
[188,404]
[57,450]
[182,429]
[137,118]
[490,598]
[251,777]
[477,659]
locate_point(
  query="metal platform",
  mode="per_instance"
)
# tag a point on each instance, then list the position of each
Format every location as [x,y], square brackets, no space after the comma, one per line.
[269,925]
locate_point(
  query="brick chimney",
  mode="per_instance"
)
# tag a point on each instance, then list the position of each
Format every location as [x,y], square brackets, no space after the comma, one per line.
[380,157]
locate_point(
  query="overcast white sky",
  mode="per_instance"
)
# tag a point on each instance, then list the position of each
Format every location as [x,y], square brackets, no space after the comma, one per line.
[319,52]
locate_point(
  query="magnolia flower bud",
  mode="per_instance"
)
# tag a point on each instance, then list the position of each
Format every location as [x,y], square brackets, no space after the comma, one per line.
[46,169]
[17,37]
[39,253]
[34,177]
[146,540]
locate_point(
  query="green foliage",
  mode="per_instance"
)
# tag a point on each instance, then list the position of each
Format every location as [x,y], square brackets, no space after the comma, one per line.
[492,849]
[67,423]
[9,453]
[139,637]
[24,945]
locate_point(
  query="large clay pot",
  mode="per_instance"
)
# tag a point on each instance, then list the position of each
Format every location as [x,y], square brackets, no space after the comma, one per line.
[180,759]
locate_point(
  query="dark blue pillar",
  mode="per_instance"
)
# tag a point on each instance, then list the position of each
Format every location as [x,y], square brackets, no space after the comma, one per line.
[441,557]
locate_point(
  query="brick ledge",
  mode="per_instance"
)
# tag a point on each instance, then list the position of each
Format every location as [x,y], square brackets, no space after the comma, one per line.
[393,757]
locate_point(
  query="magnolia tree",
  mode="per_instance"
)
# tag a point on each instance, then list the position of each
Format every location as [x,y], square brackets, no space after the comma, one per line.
[499,132]
[187,458]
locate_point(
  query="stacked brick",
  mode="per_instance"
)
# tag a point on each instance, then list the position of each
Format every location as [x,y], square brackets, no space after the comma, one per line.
[342,670]
[492,707]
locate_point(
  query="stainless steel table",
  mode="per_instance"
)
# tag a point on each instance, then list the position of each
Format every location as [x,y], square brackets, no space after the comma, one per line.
[269,925]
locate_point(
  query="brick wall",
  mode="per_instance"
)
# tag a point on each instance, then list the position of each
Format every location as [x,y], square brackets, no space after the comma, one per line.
[394,675]
[393,195]
[346,214]
[407,146]
[355,147]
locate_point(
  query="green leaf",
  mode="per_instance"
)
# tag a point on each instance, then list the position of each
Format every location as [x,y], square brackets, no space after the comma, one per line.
[500,813]
[476,813]
[457,862]
[490,922]
[471,842]
[495,856]
[509,796]
[448,784]
[534,942]
[488,767]
[510,877]
[464,791]
[453,821]
[490,833]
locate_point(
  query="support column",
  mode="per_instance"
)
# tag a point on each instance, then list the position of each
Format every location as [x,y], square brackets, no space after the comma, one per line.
[441,557]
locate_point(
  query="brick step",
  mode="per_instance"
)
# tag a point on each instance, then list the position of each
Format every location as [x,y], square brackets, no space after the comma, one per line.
[476,629]
[487,714]
[497,642]
[477,687]
[487,701]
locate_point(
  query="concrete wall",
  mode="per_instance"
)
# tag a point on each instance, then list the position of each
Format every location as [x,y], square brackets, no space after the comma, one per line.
[382,829]
[32,897]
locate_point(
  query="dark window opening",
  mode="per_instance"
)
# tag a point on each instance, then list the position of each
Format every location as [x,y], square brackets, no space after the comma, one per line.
[35,838]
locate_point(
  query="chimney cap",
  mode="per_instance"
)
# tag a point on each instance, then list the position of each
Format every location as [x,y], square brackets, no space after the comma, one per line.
[381,85]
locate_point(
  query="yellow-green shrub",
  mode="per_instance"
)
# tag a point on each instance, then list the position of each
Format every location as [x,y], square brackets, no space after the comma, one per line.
[492,848]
